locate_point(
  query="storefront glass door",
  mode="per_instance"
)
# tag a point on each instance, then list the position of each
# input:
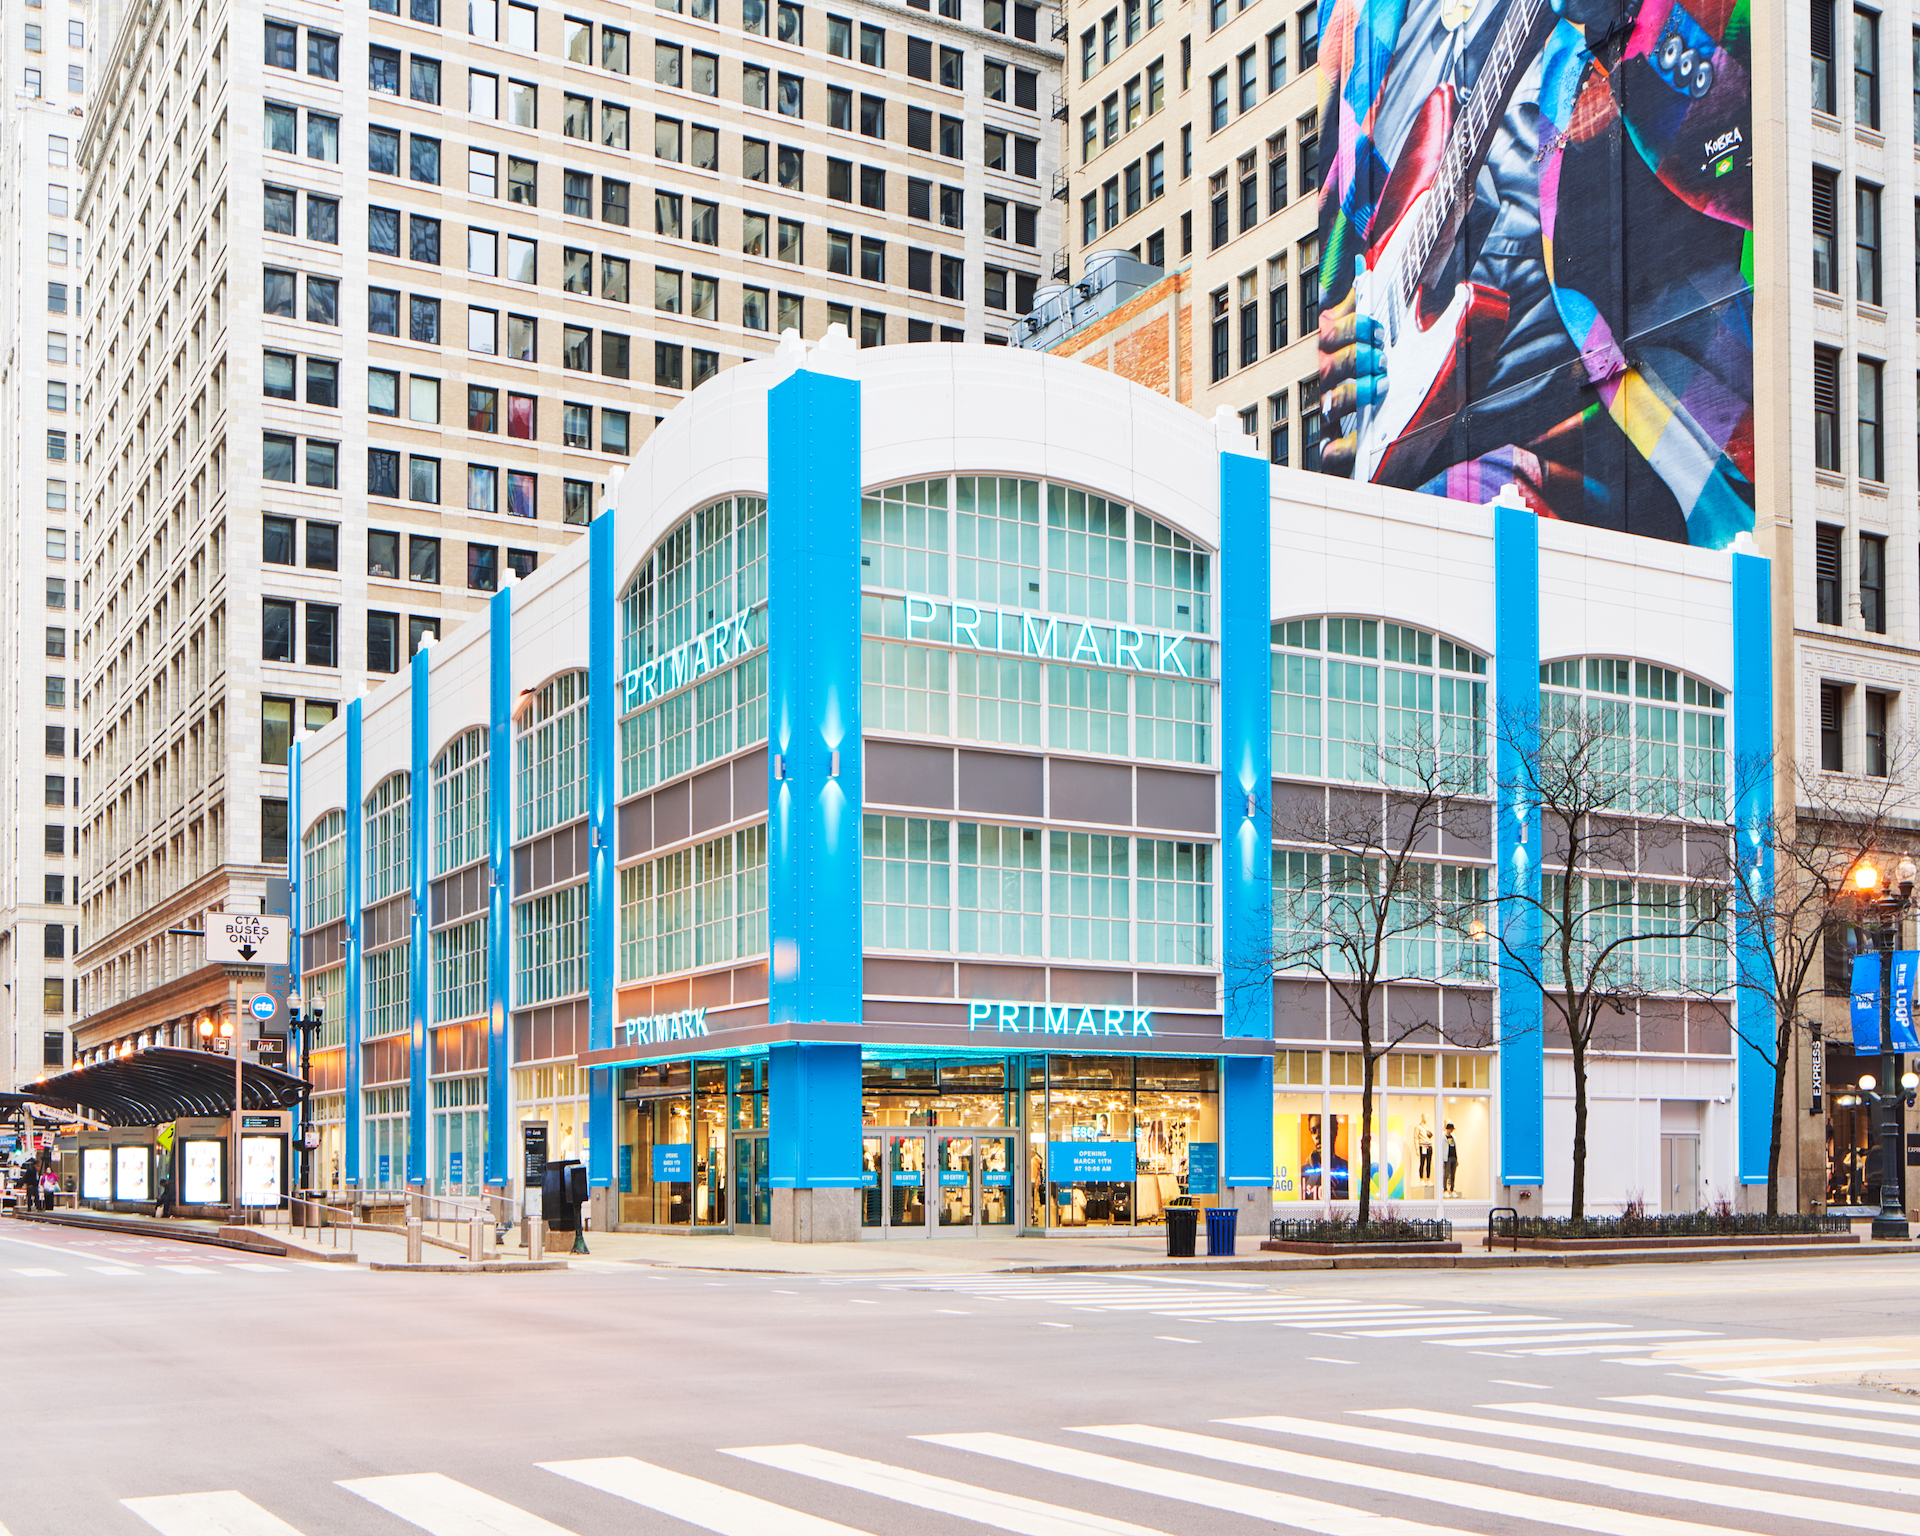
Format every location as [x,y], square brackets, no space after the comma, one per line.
[752,1190]
[937,1183]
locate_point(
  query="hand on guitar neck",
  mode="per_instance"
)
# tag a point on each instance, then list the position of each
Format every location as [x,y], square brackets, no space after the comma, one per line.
[1350,377]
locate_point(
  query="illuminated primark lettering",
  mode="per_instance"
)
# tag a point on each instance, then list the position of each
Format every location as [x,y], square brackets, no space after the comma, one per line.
[1029,634]
[659,1028]
[706,652]
[1053,1019]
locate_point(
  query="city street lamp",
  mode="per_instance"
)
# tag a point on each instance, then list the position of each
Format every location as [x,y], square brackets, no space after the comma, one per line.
[307,1023]
[1891,1222]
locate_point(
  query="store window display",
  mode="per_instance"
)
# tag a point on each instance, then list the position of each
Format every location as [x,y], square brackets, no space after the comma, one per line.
[1428,1145]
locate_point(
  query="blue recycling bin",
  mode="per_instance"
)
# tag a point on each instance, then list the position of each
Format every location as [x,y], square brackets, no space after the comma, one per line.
[1222,1221]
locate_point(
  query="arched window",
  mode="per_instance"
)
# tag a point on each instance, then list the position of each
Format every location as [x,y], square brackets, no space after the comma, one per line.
[550,757]
[389,837]
[690,694]
[1371,702]
[1030,614]
[460,802]
[1669,730]
[323,862]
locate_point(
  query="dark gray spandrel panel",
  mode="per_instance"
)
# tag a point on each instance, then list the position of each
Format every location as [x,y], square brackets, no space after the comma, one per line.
[899,773]
[1002,783]
[1101,793]
[1174,801]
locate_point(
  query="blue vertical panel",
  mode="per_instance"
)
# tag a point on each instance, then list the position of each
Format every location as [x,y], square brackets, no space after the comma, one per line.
[602,758]
[813,1111]
[499,1159]
[419,847]
[813,686]
[1753,817]
[355,998]
[1246,747]
[1246,1120]
[1516,715]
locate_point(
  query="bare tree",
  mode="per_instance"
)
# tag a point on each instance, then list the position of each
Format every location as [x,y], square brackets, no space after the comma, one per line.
[1792,875]
[1587,933]
[1362,903]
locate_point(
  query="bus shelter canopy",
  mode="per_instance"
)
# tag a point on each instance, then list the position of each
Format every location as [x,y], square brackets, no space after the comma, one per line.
[164,1083]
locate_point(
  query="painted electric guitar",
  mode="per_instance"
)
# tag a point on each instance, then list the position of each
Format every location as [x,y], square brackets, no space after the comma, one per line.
[1422,207]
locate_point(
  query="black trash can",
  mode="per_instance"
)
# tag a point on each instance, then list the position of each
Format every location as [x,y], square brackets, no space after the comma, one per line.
[1222,1222]
[1183,1223]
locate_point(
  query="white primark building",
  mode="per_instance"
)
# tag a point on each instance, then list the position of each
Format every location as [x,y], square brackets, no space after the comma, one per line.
[864,830]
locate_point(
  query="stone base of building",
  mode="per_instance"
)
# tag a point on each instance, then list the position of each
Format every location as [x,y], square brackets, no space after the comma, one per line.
[816,1216]
[1255,1205]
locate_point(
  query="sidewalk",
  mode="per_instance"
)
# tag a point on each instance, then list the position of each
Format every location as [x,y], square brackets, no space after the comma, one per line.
[385,1248]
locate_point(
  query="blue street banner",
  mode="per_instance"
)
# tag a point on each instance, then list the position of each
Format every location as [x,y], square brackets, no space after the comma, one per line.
[1864,1003]
[673,1164]
[1079,1162]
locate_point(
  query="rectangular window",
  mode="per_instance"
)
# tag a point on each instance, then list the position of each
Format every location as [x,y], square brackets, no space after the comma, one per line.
[1873,583]
[277,620]
[1829,593]
[1833,757]
[1826,409]
[1866,68]
[1866,242]
[1879,711]
[1872,415]
[1825,88]
[1217,100]
[1826,229]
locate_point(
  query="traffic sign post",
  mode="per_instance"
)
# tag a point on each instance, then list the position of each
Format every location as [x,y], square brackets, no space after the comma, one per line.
[246,938]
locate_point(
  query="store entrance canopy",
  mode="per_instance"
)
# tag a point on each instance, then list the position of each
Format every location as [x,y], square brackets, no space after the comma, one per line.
[164,1083]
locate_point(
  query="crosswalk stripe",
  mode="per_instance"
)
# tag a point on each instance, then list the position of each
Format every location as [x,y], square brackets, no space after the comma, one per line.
[1774,1395]
[39,1274]
[208,1514]
[1529,1341]
[1818,1445]
[112,1269]
[1481,1499]
[707,1505]
[440,1505]
[1647,1450]
[1289,1509]
[1720,1495]
[1772,1415]
[984,1506]
[1805,1367]
[1531,1324]
[1735,1350]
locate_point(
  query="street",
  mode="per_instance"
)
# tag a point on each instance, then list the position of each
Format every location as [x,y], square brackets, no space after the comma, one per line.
[154,1386]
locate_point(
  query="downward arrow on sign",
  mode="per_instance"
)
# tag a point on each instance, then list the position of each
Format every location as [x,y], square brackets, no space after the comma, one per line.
[247,951]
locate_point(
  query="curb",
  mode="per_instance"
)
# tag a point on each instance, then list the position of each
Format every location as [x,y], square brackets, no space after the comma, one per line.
[1524,1260]
[509,1267]
[217,1239]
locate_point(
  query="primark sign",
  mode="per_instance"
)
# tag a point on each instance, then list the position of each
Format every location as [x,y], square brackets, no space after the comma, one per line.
[662,1028]
[1010,632]
[708,651]
[1057,1019]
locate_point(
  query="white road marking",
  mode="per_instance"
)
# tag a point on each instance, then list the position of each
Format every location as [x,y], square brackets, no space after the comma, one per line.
[1491,1327]
[1289,1509]
[985,1506]
[444,1507]
[1529,1345]
[184,1269]
[1647,1450]
[41,1274]
[707,1505]
[1531,1386]
[1808,1367]
[1818,1445]
[208,1514]
[112,1269]
[1329,1360]
[1776,1505]
[1167,1338]
[1475,1497]
[1774,1396]
[1772,1415]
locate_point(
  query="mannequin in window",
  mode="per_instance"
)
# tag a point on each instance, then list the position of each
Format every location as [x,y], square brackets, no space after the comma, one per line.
[1423,1142]
[1452,1164]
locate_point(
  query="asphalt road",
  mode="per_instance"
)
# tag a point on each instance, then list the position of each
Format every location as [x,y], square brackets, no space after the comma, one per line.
[195,1391]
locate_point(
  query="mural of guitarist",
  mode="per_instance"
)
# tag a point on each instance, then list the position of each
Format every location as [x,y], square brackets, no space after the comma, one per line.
[1536,233]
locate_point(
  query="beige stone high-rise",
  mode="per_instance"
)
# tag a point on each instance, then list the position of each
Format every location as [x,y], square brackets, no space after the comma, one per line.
[1191,153]
[379,296]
